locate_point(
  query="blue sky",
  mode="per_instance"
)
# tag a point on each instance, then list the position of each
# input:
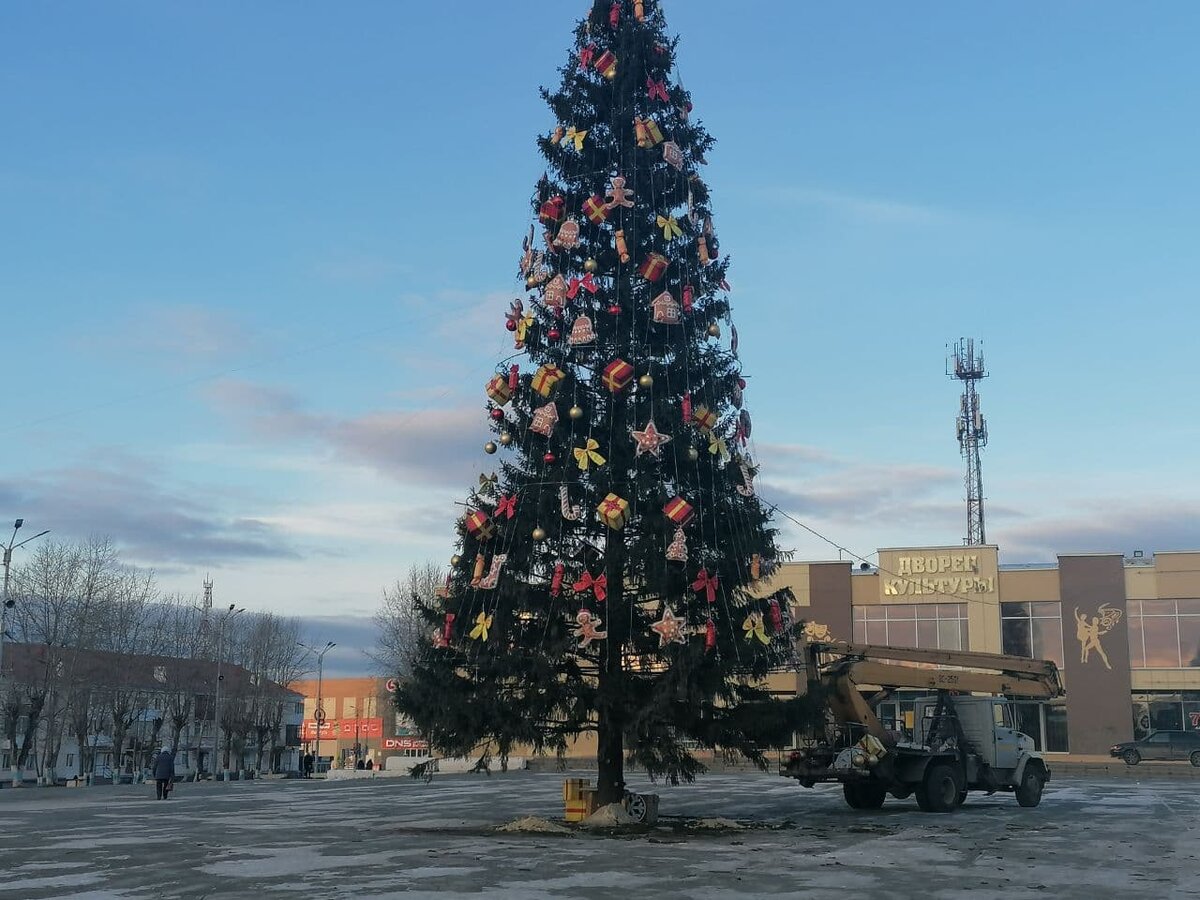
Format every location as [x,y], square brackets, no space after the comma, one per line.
[255,260]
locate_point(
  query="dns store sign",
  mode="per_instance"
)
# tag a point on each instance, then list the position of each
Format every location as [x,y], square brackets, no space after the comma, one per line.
[405,743]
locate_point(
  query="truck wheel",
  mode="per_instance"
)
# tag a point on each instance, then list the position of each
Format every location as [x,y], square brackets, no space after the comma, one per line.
[1029,791]
[940,787]
[871,796]
[1131,757]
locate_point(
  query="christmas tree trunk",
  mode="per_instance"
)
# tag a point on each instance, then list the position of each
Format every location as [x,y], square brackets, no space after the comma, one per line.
[608,578]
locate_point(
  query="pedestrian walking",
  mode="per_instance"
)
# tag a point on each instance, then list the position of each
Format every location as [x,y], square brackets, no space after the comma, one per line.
[164,773]
[308,765]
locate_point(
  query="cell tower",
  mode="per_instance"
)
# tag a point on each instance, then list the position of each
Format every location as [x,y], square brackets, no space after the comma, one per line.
[972,431]
[208,586]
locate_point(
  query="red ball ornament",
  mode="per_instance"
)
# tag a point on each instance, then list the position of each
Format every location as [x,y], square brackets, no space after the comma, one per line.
[511,325]
[554,334]
[614,310]
[549,457]
[497,414]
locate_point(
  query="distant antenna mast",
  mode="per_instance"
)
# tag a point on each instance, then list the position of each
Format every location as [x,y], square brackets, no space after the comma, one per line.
[208,586]
[972,431]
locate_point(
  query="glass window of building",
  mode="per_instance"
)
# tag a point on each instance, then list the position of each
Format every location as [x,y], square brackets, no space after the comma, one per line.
[932,626]
[1033,629]
[1045,723]
[1164,634]
[1166,711]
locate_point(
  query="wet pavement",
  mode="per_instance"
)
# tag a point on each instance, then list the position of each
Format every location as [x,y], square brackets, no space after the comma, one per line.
[1090,838]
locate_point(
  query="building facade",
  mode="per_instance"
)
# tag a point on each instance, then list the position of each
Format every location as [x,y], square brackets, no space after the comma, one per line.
[71,712]
[1125,632]
[358,722]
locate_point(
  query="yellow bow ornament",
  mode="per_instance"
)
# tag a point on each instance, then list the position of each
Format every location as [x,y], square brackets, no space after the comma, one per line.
[670,227]
[483,622]
[718,447]
[523,325]
[577,136]
[587,455]
[753,626]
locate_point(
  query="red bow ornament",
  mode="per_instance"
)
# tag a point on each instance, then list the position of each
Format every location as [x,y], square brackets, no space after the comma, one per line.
[587,282]
[656,89]
[598,585]
[586,55]
[614,14]
[506,507]
[706,583]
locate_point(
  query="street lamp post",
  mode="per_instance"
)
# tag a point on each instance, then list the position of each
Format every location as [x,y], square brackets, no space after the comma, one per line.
[225,617]
[4,608]
[319,712]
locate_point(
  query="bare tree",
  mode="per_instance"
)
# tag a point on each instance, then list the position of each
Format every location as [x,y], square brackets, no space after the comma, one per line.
[268,648]
[400,626]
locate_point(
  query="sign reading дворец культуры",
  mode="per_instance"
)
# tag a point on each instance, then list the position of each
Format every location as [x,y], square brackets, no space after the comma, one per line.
[915,574]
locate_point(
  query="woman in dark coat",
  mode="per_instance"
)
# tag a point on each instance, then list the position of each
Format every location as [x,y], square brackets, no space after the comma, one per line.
[164,772]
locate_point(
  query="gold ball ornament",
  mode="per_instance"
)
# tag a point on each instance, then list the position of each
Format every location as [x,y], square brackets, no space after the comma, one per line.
[575,412]
[645,381]
[693,454]
[455,559]
[505,438]
[714,330]
[590,265]
[539,533]
[489,447]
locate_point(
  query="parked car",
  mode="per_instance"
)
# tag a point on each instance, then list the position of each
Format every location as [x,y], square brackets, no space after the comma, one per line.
[1160,745]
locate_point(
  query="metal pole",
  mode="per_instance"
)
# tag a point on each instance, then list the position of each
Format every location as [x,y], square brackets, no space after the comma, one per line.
[218,769]
[4,607]
[319,716]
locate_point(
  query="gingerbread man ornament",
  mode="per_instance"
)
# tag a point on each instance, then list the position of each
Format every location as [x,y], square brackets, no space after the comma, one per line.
[618,194]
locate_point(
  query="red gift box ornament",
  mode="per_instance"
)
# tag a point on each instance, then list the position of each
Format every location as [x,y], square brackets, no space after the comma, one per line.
[653,267]
[514,377]
[710,636]
[595,209]
[647,132]
[557,579]
[547,378]
[707,585]
[497,390]
[617,375]
[614,511]
[606,64]
[679,511]
[478,524]
[688,298]
[552,210]
[704,417]
[447,627]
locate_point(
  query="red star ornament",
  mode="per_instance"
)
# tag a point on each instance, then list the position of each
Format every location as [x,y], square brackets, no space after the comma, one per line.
[650,440]
[669,628]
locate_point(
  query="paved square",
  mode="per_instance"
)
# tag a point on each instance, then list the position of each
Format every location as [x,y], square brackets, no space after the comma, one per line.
[400,838]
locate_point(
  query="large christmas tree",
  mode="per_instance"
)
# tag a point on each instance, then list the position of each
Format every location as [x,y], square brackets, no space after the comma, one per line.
[606,577]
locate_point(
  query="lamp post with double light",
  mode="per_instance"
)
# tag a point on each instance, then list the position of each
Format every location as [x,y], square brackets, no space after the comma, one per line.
[8,604]
[319,712]
[230,613]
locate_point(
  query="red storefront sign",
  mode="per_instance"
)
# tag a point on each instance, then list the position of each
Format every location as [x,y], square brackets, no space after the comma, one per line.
[342,729]
[405,743]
